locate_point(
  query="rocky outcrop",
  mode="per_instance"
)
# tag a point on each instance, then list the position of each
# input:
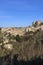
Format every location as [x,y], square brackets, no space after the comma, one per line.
[37,23]
[20,31]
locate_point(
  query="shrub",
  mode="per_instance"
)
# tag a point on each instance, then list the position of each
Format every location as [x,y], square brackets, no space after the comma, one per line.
[18,38]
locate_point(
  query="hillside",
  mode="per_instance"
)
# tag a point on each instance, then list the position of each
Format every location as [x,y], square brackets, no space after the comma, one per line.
[27,42]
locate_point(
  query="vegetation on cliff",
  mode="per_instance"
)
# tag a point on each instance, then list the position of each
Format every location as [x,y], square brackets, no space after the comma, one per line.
[27,46]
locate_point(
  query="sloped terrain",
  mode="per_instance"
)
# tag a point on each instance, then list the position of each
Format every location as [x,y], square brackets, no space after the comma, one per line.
[21,48]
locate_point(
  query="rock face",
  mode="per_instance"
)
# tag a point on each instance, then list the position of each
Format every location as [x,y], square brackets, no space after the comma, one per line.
[37,23]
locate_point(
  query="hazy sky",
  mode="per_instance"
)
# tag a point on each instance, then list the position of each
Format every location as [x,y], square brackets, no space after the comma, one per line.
[20,12]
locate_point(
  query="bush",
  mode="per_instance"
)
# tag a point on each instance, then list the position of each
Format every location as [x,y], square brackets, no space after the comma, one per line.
[18,38]
[11,37]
